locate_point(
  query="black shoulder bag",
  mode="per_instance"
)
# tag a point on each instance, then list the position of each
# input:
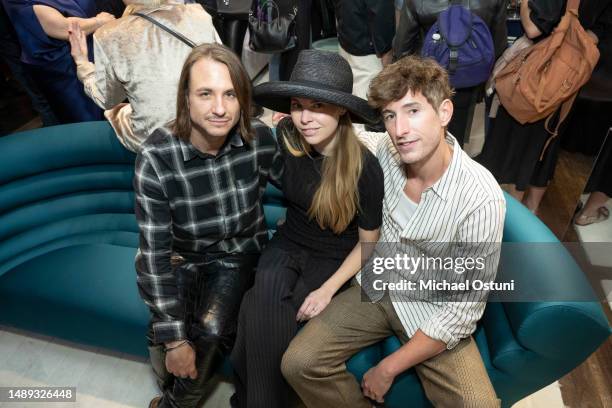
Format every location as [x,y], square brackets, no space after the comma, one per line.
[270,34]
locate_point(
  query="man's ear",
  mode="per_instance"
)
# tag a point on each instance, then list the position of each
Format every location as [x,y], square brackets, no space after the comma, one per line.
[445,111]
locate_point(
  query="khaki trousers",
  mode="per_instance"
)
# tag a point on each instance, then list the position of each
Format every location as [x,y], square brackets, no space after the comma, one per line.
[314,363]
[364,68]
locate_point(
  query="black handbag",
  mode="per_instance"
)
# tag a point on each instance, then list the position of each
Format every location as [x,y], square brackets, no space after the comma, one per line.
[270,34]
[233,7]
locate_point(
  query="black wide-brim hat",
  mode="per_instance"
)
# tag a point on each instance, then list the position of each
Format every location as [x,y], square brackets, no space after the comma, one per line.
[319,75]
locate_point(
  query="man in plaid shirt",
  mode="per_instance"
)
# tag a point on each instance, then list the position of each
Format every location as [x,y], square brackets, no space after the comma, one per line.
[199,184]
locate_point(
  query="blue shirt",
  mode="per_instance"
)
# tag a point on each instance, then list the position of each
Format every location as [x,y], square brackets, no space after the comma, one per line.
[37,48]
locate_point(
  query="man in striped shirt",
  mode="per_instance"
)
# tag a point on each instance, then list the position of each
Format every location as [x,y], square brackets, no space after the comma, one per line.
[439,204]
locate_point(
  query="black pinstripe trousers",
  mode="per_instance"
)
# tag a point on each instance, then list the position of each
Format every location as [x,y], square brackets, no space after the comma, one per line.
[285,275]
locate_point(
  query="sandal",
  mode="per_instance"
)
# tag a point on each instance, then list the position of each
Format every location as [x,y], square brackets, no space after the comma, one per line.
[602,215]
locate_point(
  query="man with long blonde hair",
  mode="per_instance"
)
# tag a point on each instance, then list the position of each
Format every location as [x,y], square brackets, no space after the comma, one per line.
[199,184]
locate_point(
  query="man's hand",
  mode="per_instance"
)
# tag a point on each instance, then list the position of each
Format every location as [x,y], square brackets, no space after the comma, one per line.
[314,304]
[376,383]
[78,43]
[180,361]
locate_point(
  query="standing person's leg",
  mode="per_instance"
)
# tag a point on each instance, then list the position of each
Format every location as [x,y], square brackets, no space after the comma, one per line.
[266,326]
[212,303]
[233,34]
[364,68]
[543,172]
[594,209]
[464,102]
[64,93]
[303,31]
[315,362]
[10,53]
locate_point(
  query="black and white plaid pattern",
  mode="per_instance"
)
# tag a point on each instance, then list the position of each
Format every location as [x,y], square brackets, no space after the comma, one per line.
[192,204]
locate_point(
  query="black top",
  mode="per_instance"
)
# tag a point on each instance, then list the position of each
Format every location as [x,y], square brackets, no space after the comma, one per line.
[365,26]
[546,14]
[301,178]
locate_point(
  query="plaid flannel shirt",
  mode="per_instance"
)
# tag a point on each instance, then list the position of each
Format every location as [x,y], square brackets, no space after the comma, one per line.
[190,203]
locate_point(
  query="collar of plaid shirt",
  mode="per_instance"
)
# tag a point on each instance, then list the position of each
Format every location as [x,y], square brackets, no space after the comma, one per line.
[233,139]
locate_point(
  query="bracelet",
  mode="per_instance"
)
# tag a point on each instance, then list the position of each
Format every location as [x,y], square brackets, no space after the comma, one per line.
[181,344]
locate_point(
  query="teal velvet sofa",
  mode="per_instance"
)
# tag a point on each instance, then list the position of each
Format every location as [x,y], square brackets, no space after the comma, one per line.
[68,237]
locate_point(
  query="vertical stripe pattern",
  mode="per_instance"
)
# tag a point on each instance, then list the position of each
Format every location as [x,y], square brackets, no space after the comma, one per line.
[462,214]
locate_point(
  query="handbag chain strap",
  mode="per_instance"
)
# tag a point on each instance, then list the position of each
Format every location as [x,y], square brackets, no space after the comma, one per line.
[167,29]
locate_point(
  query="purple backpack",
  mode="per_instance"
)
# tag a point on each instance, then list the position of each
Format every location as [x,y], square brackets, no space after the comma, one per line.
[461,42]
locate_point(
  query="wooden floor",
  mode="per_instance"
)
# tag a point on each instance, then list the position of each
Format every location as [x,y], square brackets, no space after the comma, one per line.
[590,384]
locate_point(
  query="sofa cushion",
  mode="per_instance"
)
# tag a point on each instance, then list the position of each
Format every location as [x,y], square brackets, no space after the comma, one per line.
[86,293]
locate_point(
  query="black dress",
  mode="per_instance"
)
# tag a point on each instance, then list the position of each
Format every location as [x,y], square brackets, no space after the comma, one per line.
[512,151]
[588,129]
[298,260]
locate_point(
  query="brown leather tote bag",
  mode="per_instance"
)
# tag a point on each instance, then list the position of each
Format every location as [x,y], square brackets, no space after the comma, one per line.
[548,75]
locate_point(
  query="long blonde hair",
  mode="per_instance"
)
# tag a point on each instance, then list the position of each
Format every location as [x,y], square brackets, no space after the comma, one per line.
[336,201]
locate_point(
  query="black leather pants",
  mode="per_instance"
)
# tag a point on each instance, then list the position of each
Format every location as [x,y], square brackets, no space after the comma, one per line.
[211,293]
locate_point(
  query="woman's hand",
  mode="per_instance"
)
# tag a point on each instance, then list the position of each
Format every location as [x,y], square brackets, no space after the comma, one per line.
[78,43]
[315,302]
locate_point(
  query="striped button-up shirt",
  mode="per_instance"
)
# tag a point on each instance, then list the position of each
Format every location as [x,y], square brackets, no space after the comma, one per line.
[461,215]
[190,203]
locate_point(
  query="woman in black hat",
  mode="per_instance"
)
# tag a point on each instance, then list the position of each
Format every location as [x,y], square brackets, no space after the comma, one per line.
[334,189]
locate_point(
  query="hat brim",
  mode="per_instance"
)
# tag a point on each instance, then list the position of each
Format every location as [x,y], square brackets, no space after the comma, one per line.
[276,95]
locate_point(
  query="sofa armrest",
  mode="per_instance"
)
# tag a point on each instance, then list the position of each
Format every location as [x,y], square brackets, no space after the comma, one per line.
[554,311]
[559,330]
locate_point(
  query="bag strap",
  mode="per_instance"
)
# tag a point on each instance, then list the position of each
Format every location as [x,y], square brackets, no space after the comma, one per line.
[267,4]
[167,29]
[566,107]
